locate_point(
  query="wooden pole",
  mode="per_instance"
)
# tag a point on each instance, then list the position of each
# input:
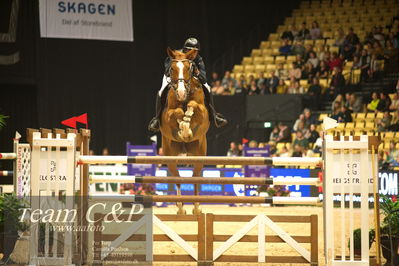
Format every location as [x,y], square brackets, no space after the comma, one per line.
[211,199]
[8,156]
[206,180]
[206,160]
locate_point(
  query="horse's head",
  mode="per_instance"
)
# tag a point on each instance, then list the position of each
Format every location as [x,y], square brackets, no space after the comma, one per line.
[181,72]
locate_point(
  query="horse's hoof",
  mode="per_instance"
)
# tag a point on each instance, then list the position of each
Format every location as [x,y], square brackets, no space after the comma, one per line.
[197,211]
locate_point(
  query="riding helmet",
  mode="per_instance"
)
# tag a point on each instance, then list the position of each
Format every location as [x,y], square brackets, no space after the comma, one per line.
[192,43]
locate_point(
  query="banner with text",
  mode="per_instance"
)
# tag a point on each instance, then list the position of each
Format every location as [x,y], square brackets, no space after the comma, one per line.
[91,19]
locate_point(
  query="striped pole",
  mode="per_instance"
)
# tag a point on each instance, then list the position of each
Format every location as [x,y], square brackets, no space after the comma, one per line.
[206,180]
[212,199]
[8,156]
[206,160]
[6,173]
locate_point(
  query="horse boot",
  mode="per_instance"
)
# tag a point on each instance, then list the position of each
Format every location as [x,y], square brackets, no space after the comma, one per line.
[155,121]
[219,119]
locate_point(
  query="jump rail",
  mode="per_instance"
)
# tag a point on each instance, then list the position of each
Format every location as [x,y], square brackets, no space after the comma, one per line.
[213,199]
[8,156]
[206,160]
[207,180]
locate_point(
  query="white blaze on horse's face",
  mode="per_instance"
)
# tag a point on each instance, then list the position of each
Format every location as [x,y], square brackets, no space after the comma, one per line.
[181,89]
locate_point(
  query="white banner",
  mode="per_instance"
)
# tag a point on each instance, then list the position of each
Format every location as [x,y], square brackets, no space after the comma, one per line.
[86,19]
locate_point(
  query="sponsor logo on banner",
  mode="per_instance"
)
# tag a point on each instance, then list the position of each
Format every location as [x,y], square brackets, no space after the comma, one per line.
[90,19]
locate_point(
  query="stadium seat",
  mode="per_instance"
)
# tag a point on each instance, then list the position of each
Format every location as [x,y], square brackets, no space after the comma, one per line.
[269,59]
[256,52]
[247,60]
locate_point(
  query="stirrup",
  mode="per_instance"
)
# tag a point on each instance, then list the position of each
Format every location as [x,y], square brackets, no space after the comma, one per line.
[154,125]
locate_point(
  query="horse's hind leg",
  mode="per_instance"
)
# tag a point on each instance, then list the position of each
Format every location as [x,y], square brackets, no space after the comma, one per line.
[175,172]
[197,172]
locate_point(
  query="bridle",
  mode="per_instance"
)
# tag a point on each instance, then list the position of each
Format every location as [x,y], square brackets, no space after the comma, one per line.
[187,83]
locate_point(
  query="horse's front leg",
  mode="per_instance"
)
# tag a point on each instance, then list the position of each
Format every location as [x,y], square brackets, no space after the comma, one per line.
[175,172]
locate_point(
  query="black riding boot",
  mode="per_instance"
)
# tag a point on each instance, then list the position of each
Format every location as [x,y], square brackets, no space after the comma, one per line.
[156,121]
[218,118]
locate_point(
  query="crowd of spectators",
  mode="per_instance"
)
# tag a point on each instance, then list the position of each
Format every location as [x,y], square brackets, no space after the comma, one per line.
[313,63]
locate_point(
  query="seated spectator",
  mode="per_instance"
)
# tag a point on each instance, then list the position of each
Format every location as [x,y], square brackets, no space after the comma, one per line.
[335,61]
[300,140]
[344,116]
[253,144]
[356,63]
[314,91]
[321,55]
[298,48]
[364,65]
[373,70]
[355,103]
[284,152]
[312,134]
[323,70]
[390,55]
[261,80]
[298,151]
[231,89]
[308,71]
[233,150]
[372,106]
[253,89]
[294,87]
[284,134]
[395,103]
[303,33]
[302,128]
[339,37]
[241,85]
[335,111]
[309,117]
[272,147]
[378,35]
[240,149]
[296,72]
[281,88]
[384,102]
[300,119]
[313,59]
[338,99]
[271,83]
[214,78]
[287,34]
[218,89]
[351,40]
[299,61]
[358,50]
[308,50]
[394,122]
[337,84]
[384,123]
[227,77]
[281,73]
[286,48]
[315,32]
[274,134]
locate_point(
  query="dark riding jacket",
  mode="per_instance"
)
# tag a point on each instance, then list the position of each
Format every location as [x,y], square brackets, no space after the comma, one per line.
[198,62]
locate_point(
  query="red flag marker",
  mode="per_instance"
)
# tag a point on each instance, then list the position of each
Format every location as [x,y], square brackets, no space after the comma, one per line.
[82,119]
[70,122]
[244,140]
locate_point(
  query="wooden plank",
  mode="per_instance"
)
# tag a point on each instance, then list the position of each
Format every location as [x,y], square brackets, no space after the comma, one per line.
[126,257]
[287,238]
[175,237]
[177,217]
[209,236]
[314,244]
[156,237]
[234,238]
[274,218]
[268,259]
[268,239]
[201,237]
[121,238]
[174,257]
[261,239]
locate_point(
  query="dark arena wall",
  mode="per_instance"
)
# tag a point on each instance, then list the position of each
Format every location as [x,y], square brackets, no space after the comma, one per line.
[115,82]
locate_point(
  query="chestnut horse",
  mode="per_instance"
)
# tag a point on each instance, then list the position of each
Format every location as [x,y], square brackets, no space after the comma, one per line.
[185,118]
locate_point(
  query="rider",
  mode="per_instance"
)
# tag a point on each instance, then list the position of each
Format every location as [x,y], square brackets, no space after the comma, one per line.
[189,44]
